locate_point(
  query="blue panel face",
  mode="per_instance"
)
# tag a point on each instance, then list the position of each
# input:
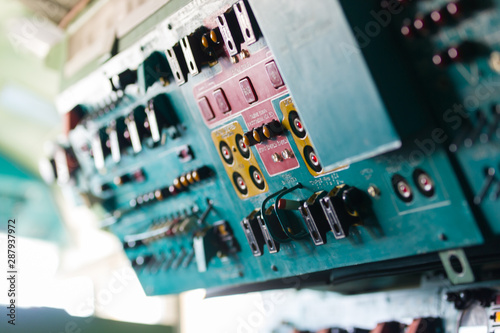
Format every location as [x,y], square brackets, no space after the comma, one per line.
[317,49]
[223,177]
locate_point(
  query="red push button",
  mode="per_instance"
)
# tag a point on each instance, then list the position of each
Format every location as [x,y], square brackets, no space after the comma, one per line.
[206,109]
[247,90]
[274,75]
[221,100]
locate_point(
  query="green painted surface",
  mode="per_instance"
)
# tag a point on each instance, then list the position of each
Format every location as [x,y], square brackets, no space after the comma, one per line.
[446,220]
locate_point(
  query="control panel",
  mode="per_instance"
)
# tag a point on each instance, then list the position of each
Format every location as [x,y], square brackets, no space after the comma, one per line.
[239,142]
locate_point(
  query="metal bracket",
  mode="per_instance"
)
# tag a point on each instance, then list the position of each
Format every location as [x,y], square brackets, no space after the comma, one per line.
[457,266]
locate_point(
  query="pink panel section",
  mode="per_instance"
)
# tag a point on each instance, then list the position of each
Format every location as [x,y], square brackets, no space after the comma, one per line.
[262,114]
[228,80]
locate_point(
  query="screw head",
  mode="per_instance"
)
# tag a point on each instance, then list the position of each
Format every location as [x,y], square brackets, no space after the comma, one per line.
[287,153]
[373,191]
[494,61]
[244,54]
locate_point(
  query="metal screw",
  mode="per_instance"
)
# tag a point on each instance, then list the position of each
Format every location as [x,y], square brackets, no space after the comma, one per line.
[287,153]
[373,191]
[244,54]
[277,157]
[494,61]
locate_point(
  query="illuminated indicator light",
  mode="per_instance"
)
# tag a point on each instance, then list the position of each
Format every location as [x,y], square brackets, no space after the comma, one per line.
[437,60]
[213,36]
[184,181]
[436,16]
[256,136]
[177,183]
[405,31]
[418,24]
[158,195]
[118,181]
[195,176]
[407,28]
[204,42]
[266,131]
[452,8]
[246,141]
[453,53]
[497,317]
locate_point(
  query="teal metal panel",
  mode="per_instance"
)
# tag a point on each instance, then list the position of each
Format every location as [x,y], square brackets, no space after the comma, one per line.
[315,47]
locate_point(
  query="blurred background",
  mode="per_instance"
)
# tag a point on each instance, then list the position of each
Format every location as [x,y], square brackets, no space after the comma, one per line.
[74,277]
[67,266]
